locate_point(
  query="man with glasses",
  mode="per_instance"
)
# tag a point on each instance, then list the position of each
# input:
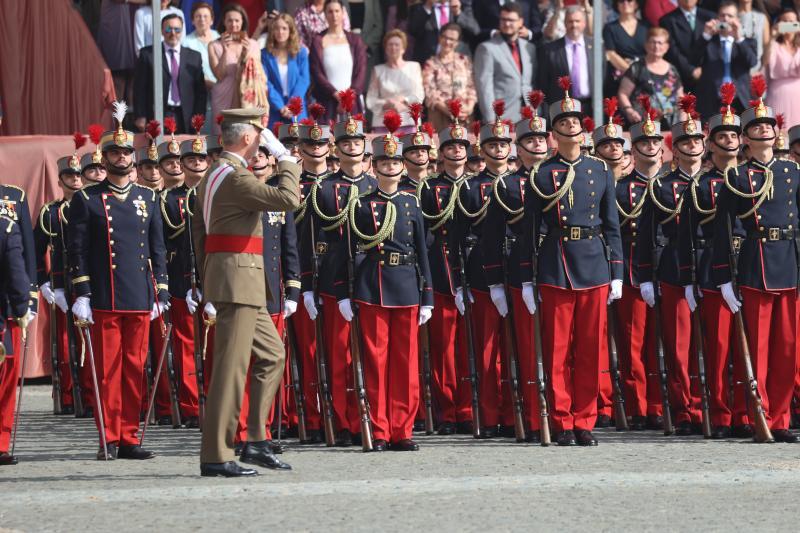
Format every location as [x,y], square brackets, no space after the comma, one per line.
[183,81]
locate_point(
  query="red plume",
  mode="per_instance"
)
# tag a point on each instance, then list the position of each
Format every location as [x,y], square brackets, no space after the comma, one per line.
[535,98]
[565,83]
[780,121]
[415,110]
[317,111]
[654,114]
[153,129]
[307,122]
[668,140]
[610,106]
[198,121]
[507,122]
[79,139]
[454,106]
[499,107]
[218,119]
[475,128]
[95,132]
[169,125]
[348,100]
[359,117]
[392,120]
[616,119]
[295,105]
[726,93]
[427,127]
[276,128]
[758,86]
[688,103]
[588,124]
[527,113]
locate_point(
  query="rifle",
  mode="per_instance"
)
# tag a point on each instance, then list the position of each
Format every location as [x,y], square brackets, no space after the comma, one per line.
[83,327]
[425,364]
[512,358]
[173,382]
[698,338]
[620,418]
[166,332]
[355,351]
[669,429]
[199,354]
[762,432]
[541,386]
[473,370]
[56,373]
[69,322]
[297,388]
[324,391]
[18,412]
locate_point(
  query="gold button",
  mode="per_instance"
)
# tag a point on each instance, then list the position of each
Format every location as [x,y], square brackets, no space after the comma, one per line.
[381,263]
[763,240]
[761,228]
[716,194]
[591,216]
[592,194]
[633,224]
[113,267]
[589,172]
[633,234]
[110,219]
[113,254]
[563,218]
[444,232]
[111,242]
[591,206]
[141,257]
[141,245]
[111,230]
[108,207]
[143,232]
[591,182]
[758,217]
[565,239]
[558,184]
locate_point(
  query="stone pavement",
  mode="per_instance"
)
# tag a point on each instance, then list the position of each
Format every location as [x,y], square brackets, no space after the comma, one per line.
[632,481]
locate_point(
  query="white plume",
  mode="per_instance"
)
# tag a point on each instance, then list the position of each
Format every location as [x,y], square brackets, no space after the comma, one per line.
[120,109]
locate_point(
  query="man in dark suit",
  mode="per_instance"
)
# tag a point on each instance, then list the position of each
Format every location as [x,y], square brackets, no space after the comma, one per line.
[571,56]
[426,19]
[184,85]
[686,44]
[728,58]
[487,13]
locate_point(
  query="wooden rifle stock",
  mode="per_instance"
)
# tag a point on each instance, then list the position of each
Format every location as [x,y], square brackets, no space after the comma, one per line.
[471,363]
[698,339]
[620,418]
[512,354]
[425,377]
[669,428]
[297,389]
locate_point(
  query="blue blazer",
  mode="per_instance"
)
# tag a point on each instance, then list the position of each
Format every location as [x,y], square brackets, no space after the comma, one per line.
[299,81]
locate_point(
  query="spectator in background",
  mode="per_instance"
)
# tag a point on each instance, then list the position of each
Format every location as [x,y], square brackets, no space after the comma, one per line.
[338,61]
[187,6]
[394,84]
[505,65]
[285,62]
[755,25]
[624,41]
[226,55]
[115,41]
[555,25]
[184,85]
[311,20]
[201,37]
[448,75]
[487,15]
[686,43]
[366,20]
[728,57]
[783,70]
[655,77]
[426,20]
[143,23]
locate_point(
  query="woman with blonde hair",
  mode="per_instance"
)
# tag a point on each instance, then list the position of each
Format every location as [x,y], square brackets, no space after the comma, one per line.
[285,62]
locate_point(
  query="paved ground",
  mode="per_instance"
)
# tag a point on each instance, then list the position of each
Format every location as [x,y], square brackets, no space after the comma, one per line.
[642,482]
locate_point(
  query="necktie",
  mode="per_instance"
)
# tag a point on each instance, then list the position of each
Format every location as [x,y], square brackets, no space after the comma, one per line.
[726,61]
[515,54]
[575,74]
[173,73]
[692,20]
[443,18]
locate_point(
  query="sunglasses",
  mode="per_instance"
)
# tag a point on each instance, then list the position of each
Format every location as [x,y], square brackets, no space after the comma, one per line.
[173,30]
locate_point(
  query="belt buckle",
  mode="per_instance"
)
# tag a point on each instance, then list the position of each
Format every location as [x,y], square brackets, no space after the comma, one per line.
[774,234]
[394,259]
[737,244]
[322,247]
[574,233]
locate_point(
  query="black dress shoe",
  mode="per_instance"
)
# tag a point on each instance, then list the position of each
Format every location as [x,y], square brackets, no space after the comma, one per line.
[111,449]
[603,421]
[720,432]
[313,436]
[164,420]
[464,427]
[533,436]
[191,422]
[566,438]
[275,447]
[683,429]
[638,423]
[742,431]
[344,438]
[258,453]
[6,459]
[291,432]
[488,432]
[419,426]
[67,410]
[784,435]
[655,422]
[447,428]
[697,428]
[379,445]
[507,432]
[229,469]
[134,451]
[237,448]
[405,445]
[584,437]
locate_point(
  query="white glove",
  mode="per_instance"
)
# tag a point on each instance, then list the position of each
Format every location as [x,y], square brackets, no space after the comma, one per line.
[616,290]
[648,294]
[60,300]
[275,147]
[210,310]
[82,309]
[310,305]
[498,296]
[425,313]
[346,309]
[730,298]
[158,310]
[459,300]
[47,293]
[688,293]
[191,303]
[528,297]
[289,308]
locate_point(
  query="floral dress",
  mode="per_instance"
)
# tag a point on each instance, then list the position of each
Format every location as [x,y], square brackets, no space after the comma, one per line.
[662,88]
[443,81]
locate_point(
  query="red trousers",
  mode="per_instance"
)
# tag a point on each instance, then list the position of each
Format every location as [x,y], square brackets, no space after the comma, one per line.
[637,356]
[183,361]
[391,369]
[523,325]
[771,321]
[9,374]
[573,341]
[120,349]
[447,336]
[307,354]
[681,361]
[340,374]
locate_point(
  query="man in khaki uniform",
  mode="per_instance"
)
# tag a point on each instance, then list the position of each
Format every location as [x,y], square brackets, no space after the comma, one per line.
[228,246]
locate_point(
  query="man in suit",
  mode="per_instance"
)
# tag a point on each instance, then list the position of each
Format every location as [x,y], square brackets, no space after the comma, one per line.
[228,243]
[426,19]
[505,65]
[184,84]
[728,58]
[686,44]
[571,56]
[487,13]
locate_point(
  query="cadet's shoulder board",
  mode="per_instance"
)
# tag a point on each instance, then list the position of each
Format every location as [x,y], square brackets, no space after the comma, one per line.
[414,196]
[141,188]
[21,191]
[86,188]
[605,165]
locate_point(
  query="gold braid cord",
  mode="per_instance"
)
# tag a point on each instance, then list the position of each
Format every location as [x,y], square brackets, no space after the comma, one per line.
[477,215]
[387,225]
[563,190]
[671,212]
[339,218]
[516,214]
[300,212]
[708,213]
[764,193]
[445,214]
[47,230]
[171,225]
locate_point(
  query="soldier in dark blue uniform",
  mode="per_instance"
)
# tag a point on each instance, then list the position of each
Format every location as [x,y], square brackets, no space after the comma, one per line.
[581,255]
[117,263]
[763,194]
[148,173]
[416,151]
[92,169]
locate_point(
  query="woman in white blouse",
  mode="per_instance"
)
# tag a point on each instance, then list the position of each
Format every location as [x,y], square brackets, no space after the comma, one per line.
[394,84]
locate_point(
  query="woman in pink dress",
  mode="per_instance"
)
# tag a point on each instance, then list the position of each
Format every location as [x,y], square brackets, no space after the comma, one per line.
[226,55]
[783,70]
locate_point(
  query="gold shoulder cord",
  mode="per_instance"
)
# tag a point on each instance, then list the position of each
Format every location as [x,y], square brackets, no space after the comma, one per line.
[63,211]
[47,230]
[635,212]
[565,189]
[445,214]
[192,192]
[764,193]
[387,225]
[477,215]
[516,214]
[300,212]
[167,221]
[339,218]
[708,213]
[671,212]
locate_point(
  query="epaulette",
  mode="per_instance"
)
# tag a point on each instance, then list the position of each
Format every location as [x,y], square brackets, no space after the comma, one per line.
[414,196]
[21,191]
[605,165]
[152,192]
[86,187]
[10,225]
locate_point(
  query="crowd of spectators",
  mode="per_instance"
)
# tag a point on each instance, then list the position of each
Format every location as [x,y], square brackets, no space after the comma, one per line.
[220,54]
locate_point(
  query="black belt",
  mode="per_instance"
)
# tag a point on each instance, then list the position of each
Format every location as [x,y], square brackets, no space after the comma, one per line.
[772,234]
[392,258]
[577,233]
